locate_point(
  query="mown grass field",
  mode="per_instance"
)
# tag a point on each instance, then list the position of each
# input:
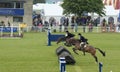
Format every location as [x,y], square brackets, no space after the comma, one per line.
[31,54]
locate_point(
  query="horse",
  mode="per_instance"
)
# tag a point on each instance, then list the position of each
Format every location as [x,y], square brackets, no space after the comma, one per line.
[87,48]
[63,39]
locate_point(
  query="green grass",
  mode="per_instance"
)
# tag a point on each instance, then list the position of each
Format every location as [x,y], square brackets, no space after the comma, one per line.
[31,54]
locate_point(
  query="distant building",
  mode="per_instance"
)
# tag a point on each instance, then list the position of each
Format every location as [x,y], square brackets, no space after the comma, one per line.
[16,11]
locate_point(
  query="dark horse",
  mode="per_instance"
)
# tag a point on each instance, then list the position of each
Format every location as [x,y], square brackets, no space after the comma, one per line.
[64,39]
[61,39]
[87,48]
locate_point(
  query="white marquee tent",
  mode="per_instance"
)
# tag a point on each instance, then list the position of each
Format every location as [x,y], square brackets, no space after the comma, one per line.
[49,9]
[110,12]
[57,11]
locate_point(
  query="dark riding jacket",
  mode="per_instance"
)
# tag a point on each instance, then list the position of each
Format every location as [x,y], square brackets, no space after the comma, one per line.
[69,35]
[83,39]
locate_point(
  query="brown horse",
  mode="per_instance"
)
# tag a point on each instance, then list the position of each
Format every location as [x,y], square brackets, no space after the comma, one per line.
[87,48]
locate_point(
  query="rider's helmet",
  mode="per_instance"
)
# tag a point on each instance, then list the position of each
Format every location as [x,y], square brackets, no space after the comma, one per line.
[79,33]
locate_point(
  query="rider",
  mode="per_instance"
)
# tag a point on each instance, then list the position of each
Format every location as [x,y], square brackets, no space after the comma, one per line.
[69,35]
[83,41]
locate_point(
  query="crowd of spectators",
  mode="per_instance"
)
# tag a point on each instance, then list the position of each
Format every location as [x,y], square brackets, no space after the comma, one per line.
[73,22]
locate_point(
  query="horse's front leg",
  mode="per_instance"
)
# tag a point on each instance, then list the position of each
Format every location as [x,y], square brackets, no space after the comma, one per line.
[95,57]
[74,50]
[82,51]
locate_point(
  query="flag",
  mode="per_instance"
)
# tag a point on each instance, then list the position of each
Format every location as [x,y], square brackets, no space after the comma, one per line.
[116,4]
[107,2]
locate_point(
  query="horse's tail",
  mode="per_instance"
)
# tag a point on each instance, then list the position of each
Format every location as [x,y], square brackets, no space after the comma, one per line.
[103,53]
[60,39]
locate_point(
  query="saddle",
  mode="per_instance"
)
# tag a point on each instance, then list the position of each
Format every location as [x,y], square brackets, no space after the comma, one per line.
[83,46]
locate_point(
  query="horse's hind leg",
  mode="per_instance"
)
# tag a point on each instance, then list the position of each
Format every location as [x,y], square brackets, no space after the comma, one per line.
[74,50]
[96,59]
[82,51]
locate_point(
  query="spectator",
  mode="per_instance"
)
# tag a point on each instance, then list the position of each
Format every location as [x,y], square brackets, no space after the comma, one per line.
[66,23]
[104,23]
[9,24]
[83,22]
[3,23]
[62,21]
[72,23]
[51,21]
[118,27]
[90,26]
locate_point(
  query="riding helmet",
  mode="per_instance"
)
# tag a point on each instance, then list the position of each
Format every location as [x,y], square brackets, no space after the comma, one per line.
[79,33]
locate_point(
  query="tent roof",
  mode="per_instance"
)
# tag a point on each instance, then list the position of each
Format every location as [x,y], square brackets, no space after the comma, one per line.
[111,11]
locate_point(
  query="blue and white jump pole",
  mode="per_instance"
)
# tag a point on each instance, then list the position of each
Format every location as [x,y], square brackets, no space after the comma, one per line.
[100,67]
[62,64]
[53,37]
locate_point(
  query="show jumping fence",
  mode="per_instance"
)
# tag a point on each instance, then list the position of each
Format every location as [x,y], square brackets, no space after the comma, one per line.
[53,37]
[10,32]
[62,64]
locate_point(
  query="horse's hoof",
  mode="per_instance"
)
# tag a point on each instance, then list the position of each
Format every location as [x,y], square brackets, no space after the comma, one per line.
[96,62]
[104,54]
[84,54]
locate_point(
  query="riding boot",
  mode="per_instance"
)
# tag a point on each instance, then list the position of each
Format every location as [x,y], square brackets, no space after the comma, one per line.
[65,44]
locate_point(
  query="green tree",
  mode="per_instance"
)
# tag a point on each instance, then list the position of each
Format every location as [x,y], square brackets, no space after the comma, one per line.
[77,7]
[38,1]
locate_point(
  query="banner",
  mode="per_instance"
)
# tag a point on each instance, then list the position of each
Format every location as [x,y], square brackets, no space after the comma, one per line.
[8,29]
[13,12]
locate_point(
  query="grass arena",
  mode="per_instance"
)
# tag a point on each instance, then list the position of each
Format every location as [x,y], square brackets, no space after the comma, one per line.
[31,54]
